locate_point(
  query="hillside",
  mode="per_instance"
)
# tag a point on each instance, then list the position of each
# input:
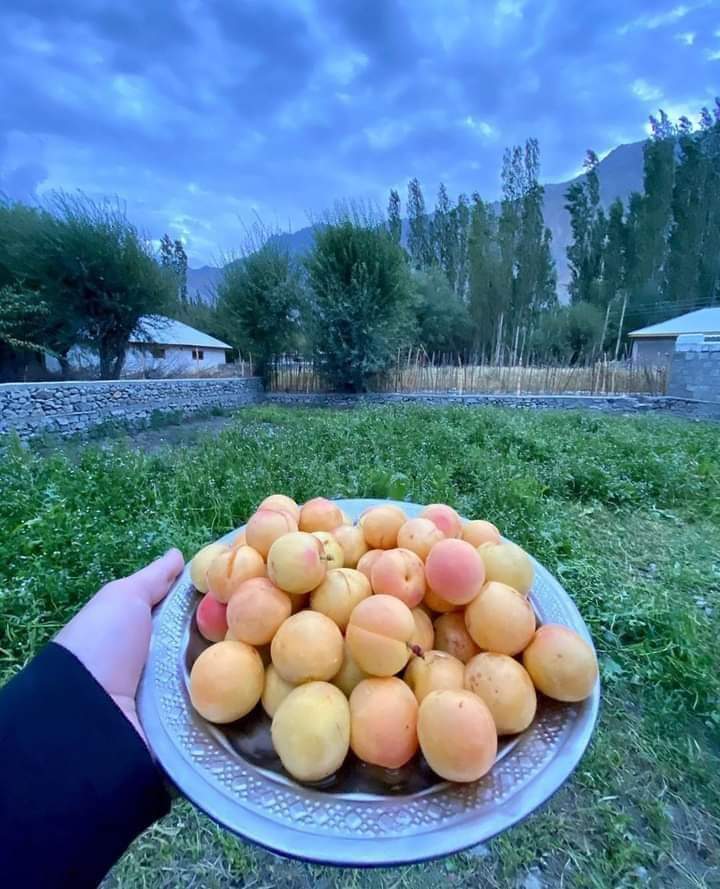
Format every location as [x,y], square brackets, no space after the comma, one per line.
[620,173]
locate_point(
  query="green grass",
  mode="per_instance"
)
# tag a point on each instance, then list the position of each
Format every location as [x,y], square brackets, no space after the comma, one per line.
[626,511]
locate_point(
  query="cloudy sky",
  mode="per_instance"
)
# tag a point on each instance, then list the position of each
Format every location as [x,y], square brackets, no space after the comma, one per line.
[199,113]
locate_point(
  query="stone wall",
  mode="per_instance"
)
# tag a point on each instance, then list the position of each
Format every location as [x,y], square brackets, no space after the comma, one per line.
[68,408]
[695,372]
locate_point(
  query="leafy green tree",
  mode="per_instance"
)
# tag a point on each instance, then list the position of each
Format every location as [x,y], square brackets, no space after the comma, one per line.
[394,217]
[443,235]
[487,293]
[361,299]
[589,227]
[419,241]
[174,261]
[443,321]
[461,214]
[260,303]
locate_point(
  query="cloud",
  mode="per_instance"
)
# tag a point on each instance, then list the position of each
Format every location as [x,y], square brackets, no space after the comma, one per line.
[200,112]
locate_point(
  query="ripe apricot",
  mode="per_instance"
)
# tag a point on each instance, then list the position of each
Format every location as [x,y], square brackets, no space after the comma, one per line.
[349,674]
[332,552]
[500,619]
[399,573]
[478,532]
[561,663]
[352,543]
[507,689]
[436,603]
[451,635]
[226,681]
[378,634]
[339,593]
[455,571]
[419,535]
[308,646]
[275,690]
[380,526]
[320,514]
[424,635]
[433,671]
[256,610]
[508,563]
[228,570]
[445,517]
[383,722]
[201,562]
[457,734]
[281,503]
[265,526]
[211,619]
[311,731]
[367,560]
[295,562]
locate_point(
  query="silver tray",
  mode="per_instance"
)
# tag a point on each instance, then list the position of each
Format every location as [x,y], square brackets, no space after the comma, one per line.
[363,816]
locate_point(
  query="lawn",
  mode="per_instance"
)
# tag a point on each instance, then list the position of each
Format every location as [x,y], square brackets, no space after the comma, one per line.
[625,511]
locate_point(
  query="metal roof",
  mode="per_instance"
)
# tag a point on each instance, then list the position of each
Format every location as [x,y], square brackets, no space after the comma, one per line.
[699,321]
[168,332]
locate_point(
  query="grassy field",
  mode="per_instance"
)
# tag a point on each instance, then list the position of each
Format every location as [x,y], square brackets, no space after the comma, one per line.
[626,511]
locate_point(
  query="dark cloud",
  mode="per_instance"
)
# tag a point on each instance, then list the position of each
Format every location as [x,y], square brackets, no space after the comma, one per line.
[199,112]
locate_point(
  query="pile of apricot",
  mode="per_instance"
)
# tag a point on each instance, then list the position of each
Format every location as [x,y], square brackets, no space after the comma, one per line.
[381,637]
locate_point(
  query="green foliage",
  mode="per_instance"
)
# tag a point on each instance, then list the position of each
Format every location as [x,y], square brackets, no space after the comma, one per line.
[361,299]
[394,216]
[443,321]
[589,229]
[419,243]
[260,302]
[567,334]
[174,260]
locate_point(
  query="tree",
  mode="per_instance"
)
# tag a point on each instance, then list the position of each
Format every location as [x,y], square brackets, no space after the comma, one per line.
[443,236]
[419,244]
[174,260]
[361,300]
[461,213]
[443,321]
[394,217]
[260,301]
[588,226]
[487,298]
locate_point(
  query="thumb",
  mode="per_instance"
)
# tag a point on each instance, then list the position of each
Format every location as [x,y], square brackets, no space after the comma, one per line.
[154,580]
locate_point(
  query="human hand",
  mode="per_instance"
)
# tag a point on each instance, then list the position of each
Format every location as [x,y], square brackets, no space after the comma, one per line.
[110,635]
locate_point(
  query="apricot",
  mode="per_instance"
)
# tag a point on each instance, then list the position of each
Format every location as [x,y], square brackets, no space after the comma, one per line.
[445,517]
[228,570]
[349,675]
[455,571]
[264,528]
[436,603]
[275,690]
[226,681]
[433,671]
[320,514]
[332,552]
[256,610]
[561,663]
[508,563]
[211,619]
[399,573]
[352,543]
[380,526]
[378,634]
[295,562]
[367,560]
[419,535]
[383,722]
[500,619]
[339,593]
[201,562]
[506,688]
[451,635]
[424,635]
[457,734]
[479,531]
[281,503]
[307,646]
[311,731]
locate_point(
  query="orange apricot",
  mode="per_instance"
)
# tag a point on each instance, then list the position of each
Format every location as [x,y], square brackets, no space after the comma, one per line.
[561,663]
[226,681]
[228,570]
[399,573]
[308,646]
[295,562]
[352,543]
[451,635]
[445,517]
[380,526]
[383,722]
[455,571]
[378,634]
[507,689]
[419,535]
[256,610]
[500,619]
[320,514]
[479,531]
[339,593]
[211,619]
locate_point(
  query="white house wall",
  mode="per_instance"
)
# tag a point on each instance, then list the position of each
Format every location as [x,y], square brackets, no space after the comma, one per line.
[178,359]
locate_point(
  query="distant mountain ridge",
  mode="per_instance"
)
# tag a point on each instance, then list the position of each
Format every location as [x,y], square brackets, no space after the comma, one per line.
[620,173]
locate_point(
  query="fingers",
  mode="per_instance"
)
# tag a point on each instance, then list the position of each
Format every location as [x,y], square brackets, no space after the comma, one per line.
[154,580]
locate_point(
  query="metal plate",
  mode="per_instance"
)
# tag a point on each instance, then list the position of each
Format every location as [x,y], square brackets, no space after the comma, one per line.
[360,817]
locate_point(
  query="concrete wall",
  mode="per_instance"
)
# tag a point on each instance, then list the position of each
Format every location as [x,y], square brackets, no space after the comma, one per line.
[67,408]
[653,351]
[695,372]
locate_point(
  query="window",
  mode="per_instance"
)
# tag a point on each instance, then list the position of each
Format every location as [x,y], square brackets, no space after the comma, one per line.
[198,354]
[157,351]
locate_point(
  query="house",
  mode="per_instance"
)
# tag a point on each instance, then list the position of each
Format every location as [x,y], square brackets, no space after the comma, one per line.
[654,345]
[161,346]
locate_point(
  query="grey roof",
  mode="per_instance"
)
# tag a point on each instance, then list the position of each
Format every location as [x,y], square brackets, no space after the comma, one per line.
[699,321]
[168,332]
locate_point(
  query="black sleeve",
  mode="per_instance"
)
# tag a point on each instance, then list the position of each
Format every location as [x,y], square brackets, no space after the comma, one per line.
[77,783]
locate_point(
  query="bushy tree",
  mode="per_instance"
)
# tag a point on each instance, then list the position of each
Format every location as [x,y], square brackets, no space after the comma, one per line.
[443,320]
[361,300]
[589,228]
[174,260]
[419,243]
[394,217]
[260,303]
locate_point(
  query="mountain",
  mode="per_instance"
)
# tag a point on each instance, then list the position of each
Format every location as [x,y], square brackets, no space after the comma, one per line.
[620,173]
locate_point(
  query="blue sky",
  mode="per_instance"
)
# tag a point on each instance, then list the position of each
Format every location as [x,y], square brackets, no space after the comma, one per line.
[199,114]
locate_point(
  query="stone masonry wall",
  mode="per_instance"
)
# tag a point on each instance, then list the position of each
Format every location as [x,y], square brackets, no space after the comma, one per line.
[32,409]
[695,372]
